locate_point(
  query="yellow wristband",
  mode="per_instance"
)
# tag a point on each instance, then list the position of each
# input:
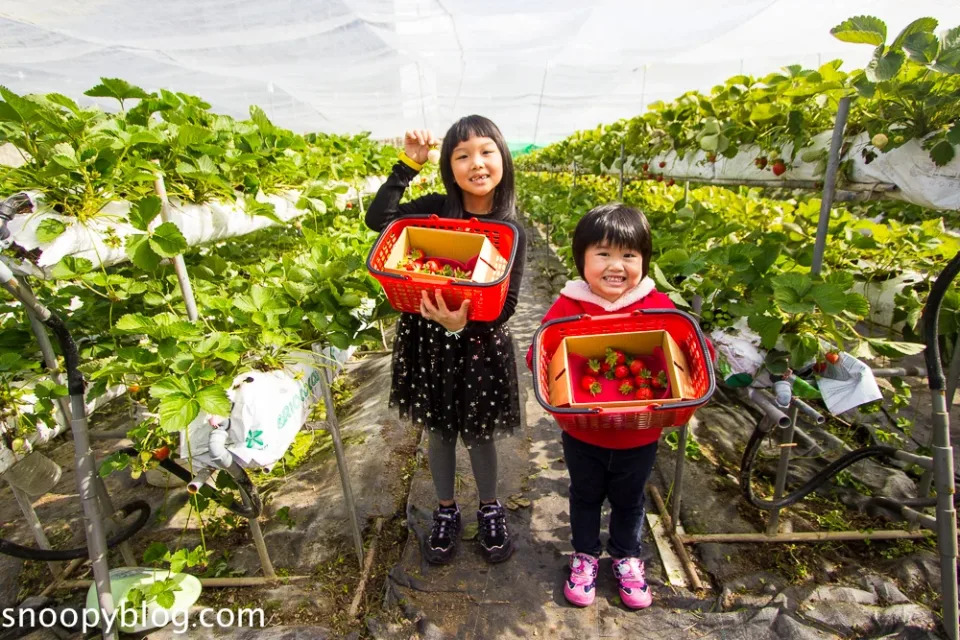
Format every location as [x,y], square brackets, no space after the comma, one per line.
[410,162]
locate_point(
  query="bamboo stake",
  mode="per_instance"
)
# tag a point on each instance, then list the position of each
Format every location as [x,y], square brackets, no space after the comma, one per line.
[675,537]
[367,567]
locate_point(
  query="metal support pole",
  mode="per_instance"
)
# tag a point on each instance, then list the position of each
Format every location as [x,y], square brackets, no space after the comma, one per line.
[50,360]
[83,458]
[96,535]
[620,191]
[334,426]
[675,493]
[786,444]
[829,185]
[943,470]
[106,506]
[30,515]
[178,264]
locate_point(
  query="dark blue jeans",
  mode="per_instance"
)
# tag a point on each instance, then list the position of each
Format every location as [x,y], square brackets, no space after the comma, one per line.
[618,475]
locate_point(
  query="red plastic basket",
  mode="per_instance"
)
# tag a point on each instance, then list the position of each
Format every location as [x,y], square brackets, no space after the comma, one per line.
[681,327]
[404,291]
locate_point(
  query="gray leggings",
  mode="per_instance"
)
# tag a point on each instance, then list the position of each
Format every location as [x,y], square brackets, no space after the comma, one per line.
[443,465]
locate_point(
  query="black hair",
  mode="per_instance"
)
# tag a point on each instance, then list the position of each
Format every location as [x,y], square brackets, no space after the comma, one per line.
[616,225]
[504,194]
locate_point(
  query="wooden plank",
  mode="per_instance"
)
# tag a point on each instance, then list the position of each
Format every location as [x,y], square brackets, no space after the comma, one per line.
[671,561]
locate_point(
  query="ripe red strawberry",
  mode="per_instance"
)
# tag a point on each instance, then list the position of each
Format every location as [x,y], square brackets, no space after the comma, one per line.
[819,367]
[644,393]
[161,453]
[639,380]
[415,254]
[662,164]
[636,366]
[593,366]
[349,205]
[660,381]
[659,177]
[589,383]
[645,166]
[626,388]
[605,367]
[621,371]
[833,357]
[615,357]
[779,168]
[671,182]
[431,266]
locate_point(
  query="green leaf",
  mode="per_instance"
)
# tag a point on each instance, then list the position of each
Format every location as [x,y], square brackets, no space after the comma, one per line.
[65,156]
[829,297]
[662,283]
[803,348]
[49,230]
[165,599]
[213,399]
[864,87]
[190,134]
[144,211]
[155,553]
[894,349]
[768,327]
[16,108]
[865,29]
[953,135]
[70,267]
[857,305]
[116,88]
[884,65]
[790,292]
[949,59]
[137,248]
[177,411]
[167,240]
[169,385]
[843,279]
[922,47]
[942,153]
[920,26]
[114,462]
[261,120]
[133,323]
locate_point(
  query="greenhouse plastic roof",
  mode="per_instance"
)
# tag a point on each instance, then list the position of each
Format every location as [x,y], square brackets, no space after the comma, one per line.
[541,69]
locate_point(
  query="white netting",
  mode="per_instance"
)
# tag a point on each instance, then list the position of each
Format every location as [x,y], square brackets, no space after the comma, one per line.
[540,69]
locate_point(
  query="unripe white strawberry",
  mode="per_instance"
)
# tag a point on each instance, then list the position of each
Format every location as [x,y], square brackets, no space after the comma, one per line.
[433,156]
[879,140]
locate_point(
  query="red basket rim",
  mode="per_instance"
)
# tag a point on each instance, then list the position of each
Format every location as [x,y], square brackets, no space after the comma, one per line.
[405,221]
[575,411]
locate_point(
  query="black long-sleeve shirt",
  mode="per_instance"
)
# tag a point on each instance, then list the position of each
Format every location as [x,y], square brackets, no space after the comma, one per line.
[385,208]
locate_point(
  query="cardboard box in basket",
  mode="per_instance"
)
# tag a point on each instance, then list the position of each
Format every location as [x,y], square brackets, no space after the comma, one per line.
[638,343]
[456,245]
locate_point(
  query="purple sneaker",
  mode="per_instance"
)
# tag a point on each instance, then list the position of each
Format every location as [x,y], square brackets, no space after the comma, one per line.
[581,587]
[633,586]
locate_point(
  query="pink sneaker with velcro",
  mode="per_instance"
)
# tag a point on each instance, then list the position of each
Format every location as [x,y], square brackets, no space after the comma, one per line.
[633,585]
[581,587]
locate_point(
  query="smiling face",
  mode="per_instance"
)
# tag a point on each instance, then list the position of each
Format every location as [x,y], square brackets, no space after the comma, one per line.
[611,271]
[477,168]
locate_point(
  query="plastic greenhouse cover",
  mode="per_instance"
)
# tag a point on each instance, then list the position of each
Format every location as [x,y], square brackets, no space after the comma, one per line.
[541,69]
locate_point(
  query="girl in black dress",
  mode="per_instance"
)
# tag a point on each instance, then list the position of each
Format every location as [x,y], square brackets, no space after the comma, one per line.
[458,377]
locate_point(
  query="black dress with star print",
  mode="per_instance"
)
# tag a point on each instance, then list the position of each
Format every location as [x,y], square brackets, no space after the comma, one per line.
[464,384]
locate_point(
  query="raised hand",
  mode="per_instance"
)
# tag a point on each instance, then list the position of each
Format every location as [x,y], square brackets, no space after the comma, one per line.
[417,143]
